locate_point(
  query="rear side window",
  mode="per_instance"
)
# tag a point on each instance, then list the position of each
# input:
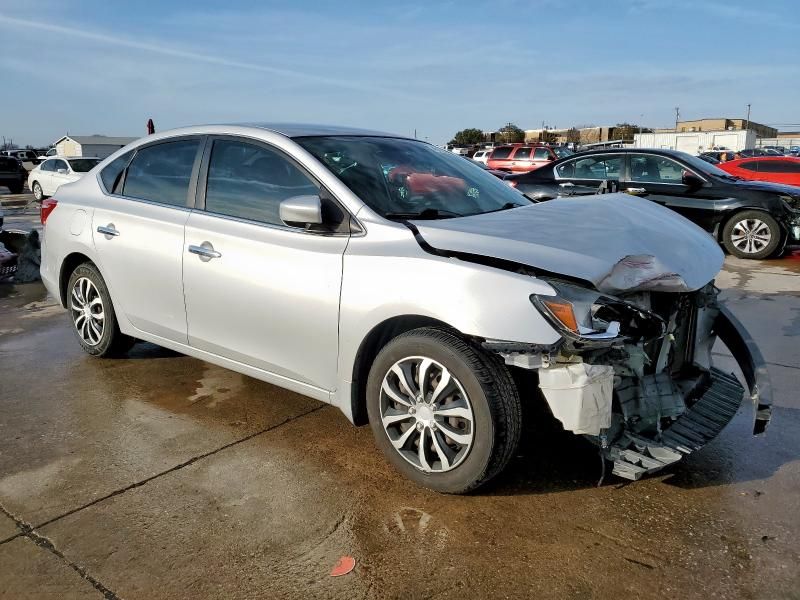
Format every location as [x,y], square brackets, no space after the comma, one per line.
[597,167]
[522,154]
[161,173]
[750,166]
[112,173]
[47,165]
[779,166]
[541,154]
[59,164]
[501,153]
[250,182]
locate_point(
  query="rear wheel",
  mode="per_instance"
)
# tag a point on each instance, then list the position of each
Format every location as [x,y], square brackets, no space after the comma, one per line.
[751,234]
[37,191]
[93,319]
[445,414]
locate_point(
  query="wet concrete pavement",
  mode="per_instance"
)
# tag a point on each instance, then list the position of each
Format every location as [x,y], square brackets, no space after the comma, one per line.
[160,476]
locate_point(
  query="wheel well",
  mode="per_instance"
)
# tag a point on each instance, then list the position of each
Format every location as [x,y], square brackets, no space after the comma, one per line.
[70,263]
[376,339]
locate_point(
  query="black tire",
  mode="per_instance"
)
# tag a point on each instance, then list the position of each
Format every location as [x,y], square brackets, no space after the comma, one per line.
[494,398]
[36,188]
[112,342]
[757,248]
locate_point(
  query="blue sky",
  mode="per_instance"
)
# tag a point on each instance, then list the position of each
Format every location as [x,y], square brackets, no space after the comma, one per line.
[105,66]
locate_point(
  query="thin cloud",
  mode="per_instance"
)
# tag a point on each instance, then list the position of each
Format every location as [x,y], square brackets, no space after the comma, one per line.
[199,57]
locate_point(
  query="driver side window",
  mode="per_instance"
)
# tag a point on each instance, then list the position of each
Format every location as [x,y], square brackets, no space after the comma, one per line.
[250,182]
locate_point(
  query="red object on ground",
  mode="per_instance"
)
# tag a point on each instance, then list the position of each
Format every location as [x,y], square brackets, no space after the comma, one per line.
[775,169]
[343,566]
[48,206]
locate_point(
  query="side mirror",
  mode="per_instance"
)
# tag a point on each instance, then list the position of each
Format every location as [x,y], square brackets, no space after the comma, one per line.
[692,181]
[61,171]
[300,211]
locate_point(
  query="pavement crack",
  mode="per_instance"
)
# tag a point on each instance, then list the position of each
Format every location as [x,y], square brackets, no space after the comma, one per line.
[177,467]
[28,531]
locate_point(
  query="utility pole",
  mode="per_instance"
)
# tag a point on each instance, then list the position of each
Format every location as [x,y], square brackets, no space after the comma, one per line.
[677,117]
[747,121]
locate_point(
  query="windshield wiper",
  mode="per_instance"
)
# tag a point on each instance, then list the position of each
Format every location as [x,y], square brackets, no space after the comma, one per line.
[428,213]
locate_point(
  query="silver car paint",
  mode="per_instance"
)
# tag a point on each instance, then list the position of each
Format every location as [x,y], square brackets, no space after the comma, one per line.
[601,231]
[384,274]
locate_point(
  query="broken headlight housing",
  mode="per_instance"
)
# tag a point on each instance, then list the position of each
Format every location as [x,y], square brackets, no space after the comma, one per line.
[584,315]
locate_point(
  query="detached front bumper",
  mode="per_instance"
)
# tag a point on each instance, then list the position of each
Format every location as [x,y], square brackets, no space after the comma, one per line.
[750,360]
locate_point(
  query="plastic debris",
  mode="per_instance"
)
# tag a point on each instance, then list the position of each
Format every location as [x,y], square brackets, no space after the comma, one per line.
[344,565]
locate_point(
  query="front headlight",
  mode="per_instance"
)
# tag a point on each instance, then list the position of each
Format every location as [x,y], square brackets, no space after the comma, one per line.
[585,315]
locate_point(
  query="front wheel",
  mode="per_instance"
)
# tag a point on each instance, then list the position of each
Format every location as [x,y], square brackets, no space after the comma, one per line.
[445,414]
[751,234]
[93,319]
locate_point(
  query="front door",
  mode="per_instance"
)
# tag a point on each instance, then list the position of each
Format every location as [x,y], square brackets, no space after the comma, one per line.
[660,179]
[138,234]
[258,291]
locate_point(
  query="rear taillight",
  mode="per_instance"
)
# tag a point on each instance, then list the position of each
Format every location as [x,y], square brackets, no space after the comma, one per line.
[48,206]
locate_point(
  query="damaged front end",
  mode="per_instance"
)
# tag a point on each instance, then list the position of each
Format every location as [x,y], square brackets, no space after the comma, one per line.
[633,370]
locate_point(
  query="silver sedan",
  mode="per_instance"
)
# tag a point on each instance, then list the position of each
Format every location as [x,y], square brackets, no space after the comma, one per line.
[409,288]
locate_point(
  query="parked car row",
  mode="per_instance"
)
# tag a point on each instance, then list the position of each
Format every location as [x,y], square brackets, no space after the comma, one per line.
[45,179]
[751,219]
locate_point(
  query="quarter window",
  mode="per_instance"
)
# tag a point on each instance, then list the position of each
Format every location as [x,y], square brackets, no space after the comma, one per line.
[591,167]
[111,173]
[161,173]
[250,182]
[655,169]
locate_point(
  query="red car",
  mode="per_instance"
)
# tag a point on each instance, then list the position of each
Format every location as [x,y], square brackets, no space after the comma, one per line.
[522,158]
[776,169]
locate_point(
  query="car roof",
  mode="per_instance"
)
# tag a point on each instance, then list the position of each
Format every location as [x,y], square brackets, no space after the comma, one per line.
[294,130]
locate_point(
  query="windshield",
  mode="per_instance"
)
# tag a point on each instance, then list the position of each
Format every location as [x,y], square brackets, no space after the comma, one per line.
[399,177]
[562,152]
[83,165]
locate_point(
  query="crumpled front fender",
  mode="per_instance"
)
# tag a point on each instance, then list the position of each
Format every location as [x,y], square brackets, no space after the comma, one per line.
[750,360]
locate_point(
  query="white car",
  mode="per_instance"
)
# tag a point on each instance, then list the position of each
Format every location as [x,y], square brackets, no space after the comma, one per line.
[482,156]
[45,179]
[49,154]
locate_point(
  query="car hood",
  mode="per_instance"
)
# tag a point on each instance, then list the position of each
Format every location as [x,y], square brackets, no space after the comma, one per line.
[616,242]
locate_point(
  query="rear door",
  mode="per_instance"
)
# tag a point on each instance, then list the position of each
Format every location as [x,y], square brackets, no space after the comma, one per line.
[583,175]
[521,160]
[138,232]
[258,291]
[54,179]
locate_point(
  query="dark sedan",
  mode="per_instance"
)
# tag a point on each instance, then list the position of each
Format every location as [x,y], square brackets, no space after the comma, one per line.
[751,219]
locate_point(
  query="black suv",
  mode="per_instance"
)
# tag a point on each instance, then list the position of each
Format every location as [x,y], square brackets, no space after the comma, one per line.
[752,219]
[12,174]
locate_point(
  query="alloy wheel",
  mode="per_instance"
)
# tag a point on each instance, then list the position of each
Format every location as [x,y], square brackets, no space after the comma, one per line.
[37,191]
[87,310]
[426,414]
[751,236]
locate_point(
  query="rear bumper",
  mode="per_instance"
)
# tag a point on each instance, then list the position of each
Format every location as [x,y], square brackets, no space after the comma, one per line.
[750,360]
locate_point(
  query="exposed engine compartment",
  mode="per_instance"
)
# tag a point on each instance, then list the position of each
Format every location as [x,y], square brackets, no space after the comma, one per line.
[635,375]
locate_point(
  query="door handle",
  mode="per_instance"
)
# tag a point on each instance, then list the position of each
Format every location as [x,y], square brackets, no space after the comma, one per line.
[205,251]
[109,230]
[636,191]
